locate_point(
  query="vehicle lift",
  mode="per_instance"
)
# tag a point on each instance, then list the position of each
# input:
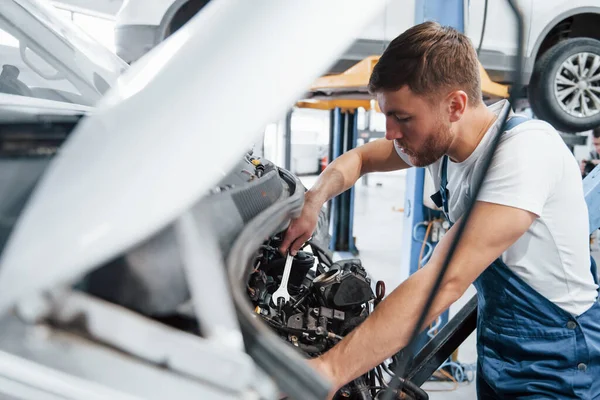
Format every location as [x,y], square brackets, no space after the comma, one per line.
[342,95]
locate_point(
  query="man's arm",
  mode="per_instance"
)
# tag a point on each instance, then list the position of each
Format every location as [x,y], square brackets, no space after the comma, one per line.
[339,176]
[342,173]
[388,329]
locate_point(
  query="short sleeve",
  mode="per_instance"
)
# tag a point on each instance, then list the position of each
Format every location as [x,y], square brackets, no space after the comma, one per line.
[524,170]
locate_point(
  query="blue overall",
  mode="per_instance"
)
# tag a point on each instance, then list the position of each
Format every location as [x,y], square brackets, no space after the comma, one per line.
[528,347]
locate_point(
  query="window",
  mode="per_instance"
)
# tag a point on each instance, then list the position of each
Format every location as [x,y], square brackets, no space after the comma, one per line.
[28,76]
[101,29]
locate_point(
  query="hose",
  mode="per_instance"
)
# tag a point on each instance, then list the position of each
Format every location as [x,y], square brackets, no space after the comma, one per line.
[485,10]
[408,387]
[460,371]
[311,348]
[429,252]
[321,253]
[432,330]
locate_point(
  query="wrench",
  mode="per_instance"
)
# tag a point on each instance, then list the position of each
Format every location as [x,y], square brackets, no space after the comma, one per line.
[282,291]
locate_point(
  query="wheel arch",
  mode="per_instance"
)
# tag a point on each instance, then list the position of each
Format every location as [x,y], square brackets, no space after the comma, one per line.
[547,37]
[178,5]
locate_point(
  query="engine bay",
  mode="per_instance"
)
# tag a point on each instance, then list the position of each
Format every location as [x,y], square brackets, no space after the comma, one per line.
[327,301]
[322,308]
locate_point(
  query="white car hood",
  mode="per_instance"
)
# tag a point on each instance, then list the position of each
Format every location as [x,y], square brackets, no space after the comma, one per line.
[146,156]
[33,105]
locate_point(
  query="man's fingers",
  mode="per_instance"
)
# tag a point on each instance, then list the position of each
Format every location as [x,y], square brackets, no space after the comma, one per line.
[298,243]
[295,247]
[289,237]
[285,244]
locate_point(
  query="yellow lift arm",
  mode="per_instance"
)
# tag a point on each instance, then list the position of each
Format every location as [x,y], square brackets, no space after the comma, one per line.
[348,90]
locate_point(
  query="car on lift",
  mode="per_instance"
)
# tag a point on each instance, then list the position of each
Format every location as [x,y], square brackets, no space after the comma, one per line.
[562,47]
[48,60]
[562,55]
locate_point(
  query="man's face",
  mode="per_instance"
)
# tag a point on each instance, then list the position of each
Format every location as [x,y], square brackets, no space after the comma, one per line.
[596,142]
[418,127]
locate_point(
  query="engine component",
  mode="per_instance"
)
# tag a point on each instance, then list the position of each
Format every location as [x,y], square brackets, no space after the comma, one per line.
[345,285]
[379,292]
[323,307]
[327,301]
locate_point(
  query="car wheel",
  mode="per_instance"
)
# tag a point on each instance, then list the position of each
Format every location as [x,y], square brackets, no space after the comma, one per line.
[565,85]
[186,12]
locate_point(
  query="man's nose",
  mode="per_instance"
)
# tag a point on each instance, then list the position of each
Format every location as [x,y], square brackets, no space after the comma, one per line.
[391,131]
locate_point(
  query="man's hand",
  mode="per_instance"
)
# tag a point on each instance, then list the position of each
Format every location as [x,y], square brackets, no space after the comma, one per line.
[343,172]
[301,228]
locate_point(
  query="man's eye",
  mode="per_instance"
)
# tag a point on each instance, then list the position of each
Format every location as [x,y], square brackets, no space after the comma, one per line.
[405,119]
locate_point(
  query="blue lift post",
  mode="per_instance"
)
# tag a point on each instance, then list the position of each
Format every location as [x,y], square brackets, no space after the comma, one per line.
[446,12]
[343,134]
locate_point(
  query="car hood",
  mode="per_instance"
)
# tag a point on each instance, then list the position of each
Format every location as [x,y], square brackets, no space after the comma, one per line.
[20,105]
[168,132]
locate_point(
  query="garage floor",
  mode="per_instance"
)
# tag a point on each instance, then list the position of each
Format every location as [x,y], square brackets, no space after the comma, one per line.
[377,210]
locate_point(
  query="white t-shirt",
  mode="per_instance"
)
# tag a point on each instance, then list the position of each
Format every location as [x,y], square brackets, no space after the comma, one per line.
[534,170]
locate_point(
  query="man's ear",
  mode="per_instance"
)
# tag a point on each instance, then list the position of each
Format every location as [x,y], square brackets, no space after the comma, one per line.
[457,104]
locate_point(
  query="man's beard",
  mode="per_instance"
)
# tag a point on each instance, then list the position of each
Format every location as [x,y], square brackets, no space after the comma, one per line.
[432,150]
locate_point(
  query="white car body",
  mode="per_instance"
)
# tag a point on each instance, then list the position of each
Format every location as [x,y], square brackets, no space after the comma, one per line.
[498,48]
[99,198]
[15,105]
[141,25]
[149,13]
[562,85]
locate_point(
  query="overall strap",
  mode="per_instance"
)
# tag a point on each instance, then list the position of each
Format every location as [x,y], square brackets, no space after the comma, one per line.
[443,188]
[514,121]
[441,197]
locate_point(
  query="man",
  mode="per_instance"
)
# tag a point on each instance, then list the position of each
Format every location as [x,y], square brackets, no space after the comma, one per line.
[587,164]
[538,333]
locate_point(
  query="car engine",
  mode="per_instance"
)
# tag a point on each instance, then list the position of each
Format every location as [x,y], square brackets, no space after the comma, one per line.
[322,309]
[327,301]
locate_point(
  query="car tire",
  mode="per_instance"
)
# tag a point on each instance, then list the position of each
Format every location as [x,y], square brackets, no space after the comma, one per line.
[559,83]
[183,14]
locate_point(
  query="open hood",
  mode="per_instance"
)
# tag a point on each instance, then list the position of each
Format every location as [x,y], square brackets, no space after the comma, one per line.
[14,105]
[174,124]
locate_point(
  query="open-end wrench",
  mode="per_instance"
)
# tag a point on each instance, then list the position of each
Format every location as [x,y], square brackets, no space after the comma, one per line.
[282,291]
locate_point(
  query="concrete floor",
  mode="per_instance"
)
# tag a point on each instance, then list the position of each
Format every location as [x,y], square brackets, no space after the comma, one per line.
[378,209]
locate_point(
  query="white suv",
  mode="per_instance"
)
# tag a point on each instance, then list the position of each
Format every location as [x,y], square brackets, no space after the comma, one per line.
[562,47]
[562,55]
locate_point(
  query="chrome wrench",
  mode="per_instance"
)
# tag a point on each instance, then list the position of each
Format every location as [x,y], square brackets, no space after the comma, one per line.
[282,291]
